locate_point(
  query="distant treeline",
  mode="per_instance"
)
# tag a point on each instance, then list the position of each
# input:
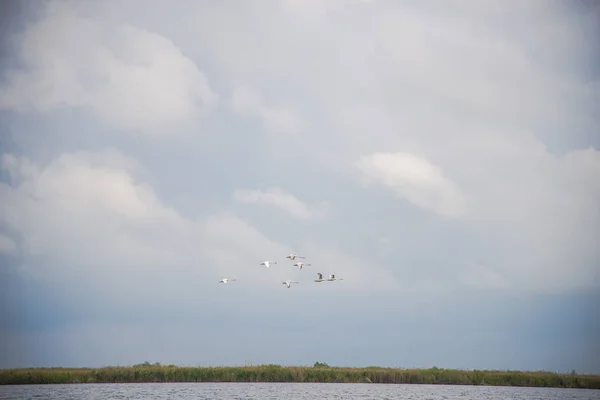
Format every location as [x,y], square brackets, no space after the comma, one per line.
[321,372]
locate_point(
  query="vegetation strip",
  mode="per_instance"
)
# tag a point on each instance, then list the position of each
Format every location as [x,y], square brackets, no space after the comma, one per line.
[275,373]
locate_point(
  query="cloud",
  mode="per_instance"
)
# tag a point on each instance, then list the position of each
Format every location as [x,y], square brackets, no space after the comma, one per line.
[537,213]
[276,120]
[281,199]
[459,154]
[483,103]
[415,179]
[7,245]
[89,214]
[134,79]
[86,211]
[484,277]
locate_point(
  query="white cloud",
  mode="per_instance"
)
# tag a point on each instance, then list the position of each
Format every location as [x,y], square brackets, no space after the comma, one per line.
[133,78]
[415,179]
[88,216]
[283,200]
[319,8]
[86,209]
[275,119]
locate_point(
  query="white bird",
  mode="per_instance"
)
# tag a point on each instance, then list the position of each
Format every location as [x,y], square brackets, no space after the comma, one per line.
[333,278]
[268,263]
[319,277]
[294,256]
[300,264]
[288,283]
[225,280]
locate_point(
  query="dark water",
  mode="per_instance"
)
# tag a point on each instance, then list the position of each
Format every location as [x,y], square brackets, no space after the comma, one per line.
[287,391]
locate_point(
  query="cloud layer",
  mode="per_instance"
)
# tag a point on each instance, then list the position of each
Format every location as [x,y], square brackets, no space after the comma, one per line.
[436,157]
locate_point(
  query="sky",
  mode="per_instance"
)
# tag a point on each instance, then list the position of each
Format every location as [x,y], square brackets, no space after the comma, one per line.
[440,157]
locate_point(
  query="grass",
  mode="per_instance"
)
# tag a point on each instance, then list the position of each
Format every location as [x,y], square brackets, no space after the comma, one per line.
[275,373]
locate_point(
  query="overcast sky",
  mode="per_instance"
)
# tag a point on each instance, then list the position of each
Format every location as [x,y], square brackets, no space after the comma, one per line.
[440,157]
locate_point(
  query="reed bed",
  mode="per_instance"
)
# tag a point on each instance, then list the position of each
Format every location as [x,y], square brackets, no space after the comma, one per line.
[276,373]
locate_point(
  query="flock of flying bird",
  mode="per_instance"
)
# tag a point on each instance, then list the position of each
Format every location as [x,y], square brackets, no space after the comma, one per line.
[298,264]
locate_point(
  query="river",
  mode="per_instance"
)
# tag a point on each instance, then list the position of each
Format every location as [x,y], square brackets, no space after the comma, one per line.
[287,391]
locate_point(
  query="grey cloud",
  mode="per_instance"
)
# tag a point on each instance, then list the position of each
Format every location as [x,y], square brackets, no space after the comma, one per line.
[7,245]
[133,78]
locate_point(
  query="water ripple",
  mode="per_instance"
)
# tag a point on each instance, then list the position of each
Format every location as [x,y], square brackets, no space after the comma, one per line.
[287,391]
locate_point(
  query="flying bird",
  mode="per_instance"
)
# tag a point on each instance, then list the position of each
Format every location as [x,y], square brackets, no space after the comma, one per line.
[300,264]
[333,278]
[294,256]
[288,283]
[319,277]
[268,263]
[225,280]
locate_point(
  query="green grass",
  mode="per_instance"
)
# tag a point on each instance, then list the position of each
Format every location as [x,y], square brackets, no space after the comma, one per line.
[275,373]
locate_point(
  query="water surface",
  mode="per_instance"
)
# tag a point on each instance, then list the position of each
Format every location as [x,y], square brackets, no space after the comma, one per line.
[287,391]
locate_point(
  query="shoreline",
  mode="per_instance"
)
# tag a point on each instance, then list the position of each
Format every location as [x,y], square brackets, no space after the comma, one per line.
[147,373]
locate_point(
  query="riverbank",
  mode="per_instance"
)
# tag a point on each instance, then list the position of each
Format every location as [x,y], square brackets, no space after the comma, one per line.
[275,373]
